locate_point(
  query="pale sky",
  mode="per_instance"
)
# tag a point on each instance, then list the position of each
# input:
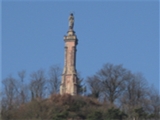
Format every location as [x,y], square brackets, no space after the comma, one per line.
[117,32]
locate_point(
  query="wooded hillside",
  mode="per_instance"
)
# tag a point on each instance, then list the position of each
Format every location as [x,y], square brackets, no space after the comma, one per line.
[113,92]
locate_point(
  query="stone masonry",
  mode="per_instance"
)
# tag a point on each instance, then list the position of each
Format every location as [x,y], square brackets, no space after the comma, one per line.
[69,76]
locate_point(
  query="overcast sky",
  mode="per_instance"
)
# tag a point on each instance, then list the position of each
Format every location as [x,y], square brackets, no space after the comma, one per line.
[114,32]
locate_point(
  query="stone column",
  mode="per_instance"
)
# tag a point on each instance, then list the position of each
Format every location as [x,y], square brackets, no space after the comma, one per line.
[69,76]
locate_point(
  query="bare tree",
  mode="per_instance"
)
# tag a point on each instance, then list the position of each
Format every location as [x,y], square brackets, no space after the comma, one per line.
[10,93]
[23,91]
[135,95]
[154,98]
[113,78]
[37,85]
[54,79]
[95,86]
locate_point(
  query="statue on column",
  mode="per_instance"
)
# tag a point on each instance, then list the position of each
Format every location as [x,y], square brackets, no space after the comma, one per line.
[71,21]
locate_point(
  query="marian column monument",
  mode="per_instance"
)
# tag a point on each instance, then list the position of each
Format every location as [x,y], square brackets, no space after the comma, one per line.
[69,76]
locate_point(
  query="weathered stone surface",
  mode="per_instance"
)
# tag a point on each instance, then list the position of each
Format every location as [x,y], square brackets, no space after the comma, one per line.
[69,76]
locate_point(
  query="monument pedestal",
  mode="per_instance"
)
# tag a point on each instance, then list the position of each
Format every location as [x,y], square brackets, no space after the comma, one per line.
[69,76]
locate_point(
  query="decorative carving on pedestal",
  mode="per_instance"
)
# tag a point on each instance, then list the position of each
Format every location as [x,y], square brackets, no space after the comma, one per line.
[69,76]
